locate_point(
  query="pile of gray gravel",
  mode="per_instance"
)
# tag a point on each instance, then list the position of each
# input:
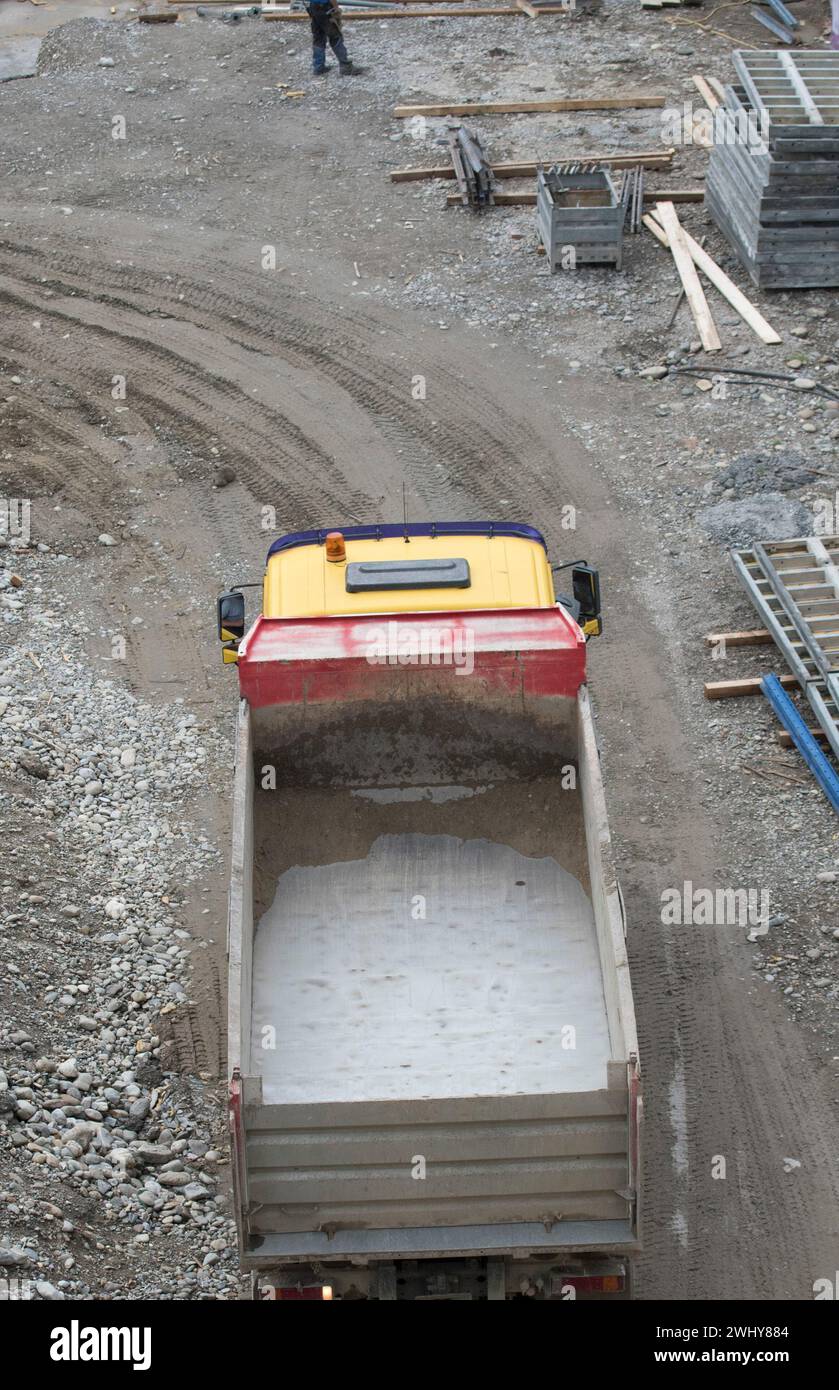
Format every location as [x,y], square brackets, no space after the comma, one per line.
[762,516]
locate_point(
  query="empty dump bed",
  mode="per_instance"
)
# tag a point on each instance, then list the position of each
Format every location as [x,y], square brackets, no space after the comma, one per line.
[430,1011]
[424,959]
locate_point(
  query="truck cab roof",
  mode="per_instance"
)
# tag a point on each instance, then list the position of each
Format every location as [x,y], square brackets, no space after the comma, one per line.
[414,568]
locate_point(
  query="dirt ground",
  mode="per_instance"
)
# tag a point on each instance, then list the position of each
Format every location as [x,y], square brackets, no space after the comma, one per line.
[242,260]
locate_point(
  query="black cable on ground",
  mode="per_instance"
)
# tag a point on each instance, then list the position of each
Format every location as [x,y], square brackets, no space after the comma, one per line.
[783,380]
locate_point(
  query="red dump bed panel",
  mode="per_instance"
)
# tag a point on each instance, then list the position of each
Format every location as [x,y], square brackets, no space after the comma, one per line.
[535,651]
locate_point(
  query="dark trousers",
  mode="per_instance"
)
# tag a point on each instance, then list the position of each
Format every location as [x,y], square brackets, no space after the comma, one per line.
[326,29]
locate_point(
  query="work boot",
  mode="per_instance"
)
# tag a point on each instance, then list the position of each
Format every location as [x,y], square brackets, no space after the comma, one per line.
[321,72]
[350,70]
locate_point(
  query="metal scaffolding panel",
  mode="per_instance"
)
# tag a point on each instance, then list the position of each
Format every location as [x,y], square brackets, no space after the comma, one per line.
[794,585]
[799,88]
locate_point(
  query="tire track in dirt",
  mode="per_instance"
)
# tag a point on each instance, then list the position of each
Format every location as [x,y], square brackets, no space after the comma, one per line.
[190,1041]
[481,448]
[745,1095]
[77,470]
[174,391]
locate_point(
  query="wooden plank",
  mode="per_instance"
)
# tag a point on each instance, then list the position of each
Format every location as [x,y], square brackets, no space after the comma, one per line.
[694,293]
[528,9]
[527,200]
[758,637]
[727,690]
[626,101]
[786,740]
[709,97]
[674,195]
[524,169]
[409,12]
[744,307]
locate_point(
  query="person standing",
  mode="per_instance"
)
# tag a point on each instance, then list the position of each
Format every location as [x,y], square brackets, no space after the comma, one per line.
[326,28]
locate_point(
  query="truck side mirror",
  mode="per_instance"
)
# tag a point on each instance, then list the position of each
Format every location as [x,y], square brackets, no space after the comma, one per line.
[231,616]
[586,584]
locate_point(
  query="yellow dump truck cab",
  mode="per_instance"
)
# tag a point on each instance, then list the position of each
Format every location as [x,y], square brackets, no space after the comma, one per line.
[415,568]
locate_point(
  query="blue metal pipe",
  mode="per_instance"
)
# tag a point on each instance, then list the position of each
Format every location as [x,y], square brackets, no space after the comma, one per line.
[820,766]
